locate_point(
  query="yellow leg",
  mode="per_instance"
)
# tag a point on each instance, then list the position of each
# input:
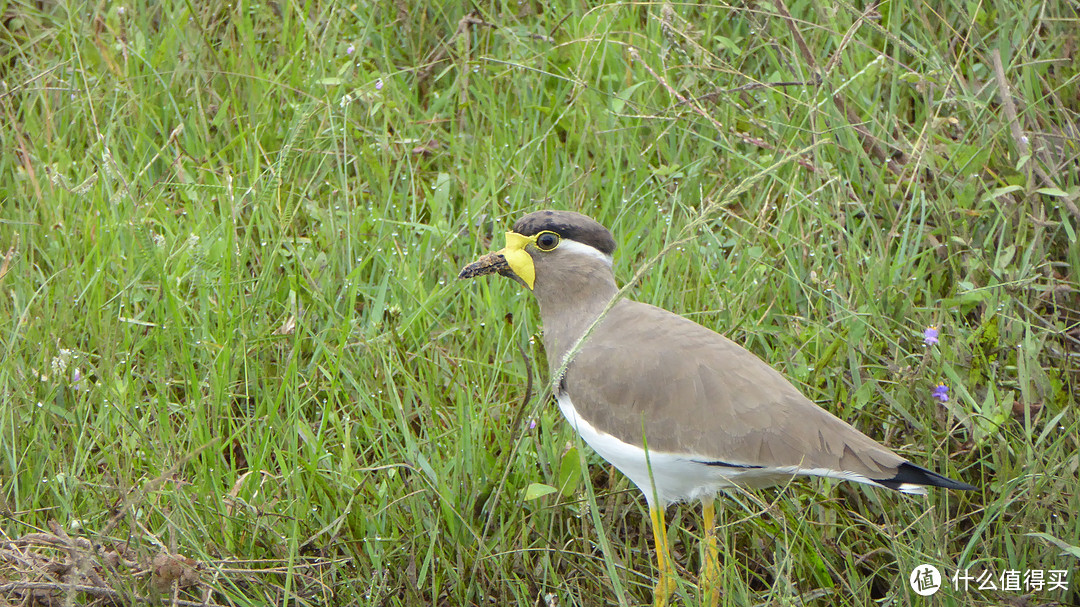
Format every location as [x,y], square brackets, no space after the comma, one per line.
[665,584]
[710,569]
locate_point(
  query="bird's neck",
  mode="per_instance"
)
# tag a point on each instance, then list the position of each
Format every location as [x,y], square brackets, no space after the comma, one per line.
[568,308]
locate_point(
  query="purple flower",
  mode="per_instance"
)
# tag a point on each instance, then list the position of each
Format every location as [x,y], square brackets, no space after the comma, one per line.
[941,392]
[532,423]
[350,49]
[930,335]
[378,84]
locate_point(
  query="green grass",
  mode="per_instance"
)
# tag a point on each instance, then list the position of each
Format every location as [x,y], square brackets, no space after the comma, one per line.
[230,328]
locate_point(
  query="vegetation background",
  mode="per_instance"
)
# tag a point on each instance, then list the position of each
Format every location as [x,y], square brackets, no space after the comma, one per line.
[237,367]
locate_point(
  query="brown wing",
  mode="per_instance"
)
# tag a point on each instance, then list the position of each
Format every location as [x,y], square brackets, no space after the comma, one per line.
[688,389]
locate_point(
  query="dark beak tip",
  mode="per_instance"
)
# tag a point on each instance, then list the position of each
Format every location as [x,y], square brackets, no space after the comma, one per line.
[492,263]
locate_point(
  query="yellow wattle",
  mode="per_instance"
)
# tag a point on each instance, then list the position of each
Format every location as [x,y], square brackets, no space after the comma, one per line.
[518,258]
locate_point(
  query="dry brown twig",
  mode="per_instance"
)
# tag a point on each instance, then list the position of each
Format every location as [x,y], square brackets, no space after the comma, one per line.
[893,159]
[5,263]
[1023,141]
[54,568]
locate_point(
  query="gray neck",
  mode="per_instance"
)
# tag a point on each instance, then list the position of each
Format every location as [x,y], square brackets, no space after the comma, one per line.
[571,303]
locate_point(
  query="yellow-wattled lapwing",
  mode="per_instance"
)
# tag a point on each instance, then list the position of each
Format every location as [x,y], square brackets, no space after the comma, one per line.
[680,409]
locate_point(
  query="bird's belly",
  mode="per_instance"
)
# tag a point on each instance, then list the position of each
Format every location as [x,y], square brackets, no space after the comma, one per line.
[673,478]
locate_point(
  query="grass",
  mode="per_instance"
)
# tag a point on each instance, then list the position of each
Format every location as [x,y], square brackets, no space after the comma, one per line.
[230,328]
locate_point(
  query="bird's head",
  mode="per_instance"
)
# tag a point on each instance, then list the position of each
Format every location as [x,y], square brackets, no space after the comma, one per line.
[547,249]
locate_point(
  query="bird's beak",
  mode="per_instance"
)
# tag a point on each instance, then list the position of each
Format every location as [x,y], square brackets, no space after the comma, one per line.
[511,261]
[492,263]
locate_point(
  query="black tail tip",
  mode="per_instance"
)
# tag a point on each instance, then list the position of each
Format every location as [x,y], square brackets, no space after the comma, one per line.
[910,474]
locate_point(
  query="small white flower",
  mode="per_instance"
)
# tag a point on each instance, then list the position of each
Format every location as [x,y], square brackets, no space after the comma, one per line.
[60,362]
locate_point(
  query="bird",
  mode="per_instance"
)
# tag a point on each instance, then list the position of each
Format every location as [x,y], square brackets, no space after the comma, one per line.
[681,410]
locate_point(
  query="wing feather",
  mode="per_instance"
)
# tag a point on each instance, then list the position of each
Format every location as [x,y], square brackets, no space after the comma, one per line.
[686,389]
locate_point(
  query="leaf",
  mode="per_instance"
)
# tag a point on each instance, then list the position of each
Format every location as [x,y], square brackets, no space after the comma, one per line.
[569,472]
[728,44]
[999,192]
[426,468]
[665,170]
[1023,160]
[620,99]
[1005,257]
[442,194]
[1057,193]
[968,158]
[1066,548]
[538,490]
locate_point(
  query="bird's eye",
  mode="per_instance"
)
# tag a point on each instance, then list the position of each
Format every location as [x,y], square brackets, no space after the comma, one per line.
[547,241]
